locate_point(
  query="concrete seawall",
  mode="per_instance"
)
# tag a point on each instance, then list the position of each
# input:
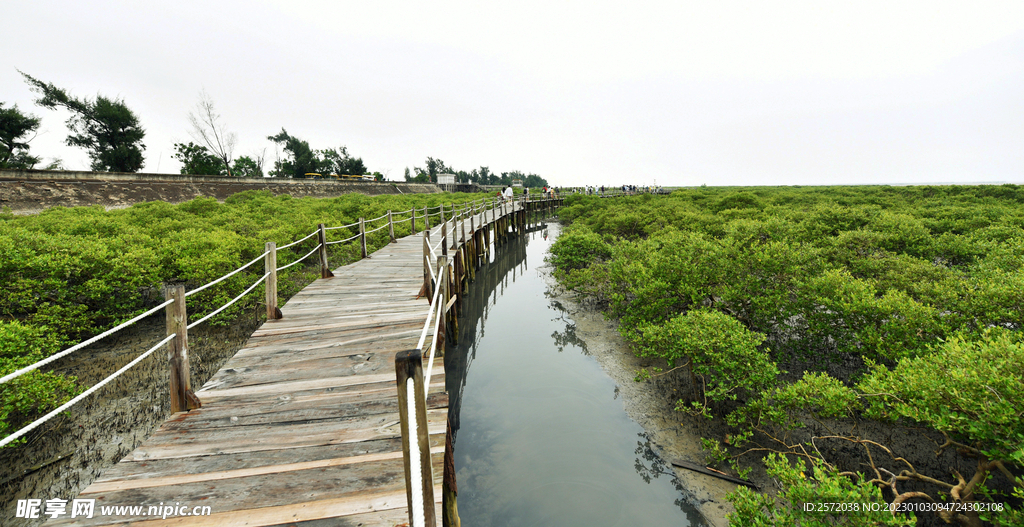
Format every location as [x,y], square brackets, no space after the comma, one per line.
[31,191]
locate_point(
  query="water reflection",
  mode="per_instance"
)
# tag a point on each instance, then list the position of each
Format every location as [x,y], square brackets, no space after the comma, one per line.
[540,436]
[567,337]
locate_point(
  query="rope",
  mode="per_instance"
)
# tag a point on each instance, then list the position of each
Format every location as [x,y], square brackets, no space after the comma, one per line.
[433,305]
[298,241]
[81,345]
[341,227]
[343,241]
[377,229]
[225,306]
[405,220]
[375,219]
[84,394]
[232,273]
[315,249]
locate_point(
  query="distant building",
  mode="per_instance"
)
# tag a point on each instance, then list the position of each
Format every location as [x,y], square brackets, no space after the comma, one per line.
[446,179]
[517,183]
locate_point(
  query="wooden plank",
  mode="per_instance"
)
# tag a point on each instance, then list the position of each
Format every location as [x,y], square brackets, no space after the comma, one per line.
[181,479]
[164,444]
[129,469]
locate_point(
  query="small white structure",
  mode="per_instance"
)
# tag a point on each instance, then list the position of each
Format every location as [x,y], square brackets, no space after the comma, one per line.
[446,179]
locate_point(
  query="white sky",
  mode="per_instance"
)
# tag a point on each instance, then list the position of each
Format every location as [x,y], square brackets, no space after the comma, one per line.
[685,93]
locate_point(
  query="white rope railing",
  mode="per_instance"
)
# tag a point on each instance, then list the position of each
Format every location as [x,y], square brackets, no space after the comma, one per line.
[225,306]
[341,226]
[34,424]
[403,221]
[350,238]
[225,277]
[377,218]
[310,253]
[298,241]
[377,229]
[81,345]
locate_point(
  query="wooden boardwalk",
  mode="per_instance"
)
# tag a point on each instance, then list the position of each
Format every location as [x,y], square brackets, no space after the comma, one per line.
[302,424]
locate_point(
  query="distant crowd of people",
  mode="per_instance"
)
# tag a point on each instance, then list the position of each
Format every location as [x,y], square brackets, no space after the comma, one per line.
[507,193]
[625,189]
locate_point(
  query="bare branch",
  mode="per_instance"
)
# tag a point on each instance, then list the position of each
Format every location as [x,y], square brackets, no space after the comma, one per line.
[208,129]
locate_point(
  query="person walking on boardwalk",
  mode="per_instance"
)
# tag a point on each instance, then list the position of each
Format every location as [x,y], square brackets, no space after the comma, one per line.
[508,194]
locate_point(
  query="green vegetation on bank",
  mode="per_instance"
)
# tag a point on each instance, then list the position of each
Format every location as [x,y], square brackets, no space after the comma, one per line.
[69,274]
[811,320]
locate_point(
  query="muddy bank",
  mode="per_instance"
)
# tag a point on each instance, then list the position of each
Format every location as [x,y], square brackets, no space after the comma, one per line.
[676,436]
[672,435]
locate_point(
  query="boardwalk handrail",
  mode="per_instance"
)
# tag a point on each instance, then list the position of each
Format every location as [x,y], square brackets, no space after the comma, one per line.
[444,286]
[180,310]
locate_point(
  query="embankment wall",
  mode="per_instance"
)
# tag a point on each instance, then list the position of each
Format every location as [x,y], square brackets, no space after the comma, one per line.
[31,191]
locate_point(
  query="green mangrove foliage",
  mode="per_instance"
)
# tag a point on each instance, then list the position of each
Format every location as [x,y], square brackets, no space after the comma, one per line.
[816,321]
[71,273]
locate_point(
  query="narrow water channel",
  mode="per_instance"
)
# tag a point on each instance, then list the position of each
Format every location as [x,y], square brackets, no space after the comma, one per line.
[541,436]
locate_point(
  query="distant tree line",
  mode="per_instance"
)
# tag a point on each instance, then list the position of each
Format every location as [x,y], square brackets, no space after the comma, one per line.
[481,176]
[112,136]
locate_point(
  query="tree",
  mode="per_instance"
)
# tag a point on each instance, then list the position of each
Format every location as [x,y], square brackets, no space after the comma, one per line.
[248,167]
[208,129]
[108,130]
[301,161]
[434,167]
[338,161]
[14,126]
[535,181]
[197,160]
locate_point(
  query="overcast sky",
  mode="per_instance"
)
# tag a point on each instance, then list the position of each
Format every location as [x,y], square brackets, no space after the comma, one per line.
[685,93]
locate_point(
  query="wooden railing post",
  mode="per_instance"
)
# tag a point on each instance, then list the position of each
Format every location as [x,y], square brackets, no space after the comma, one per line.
[412,411]
[177,348]
[444,238]
[325,269]
[426,218]
[412,230]
[362,235]
[270,267]
[442,297]
[427,289]
[455,231]
[391,228]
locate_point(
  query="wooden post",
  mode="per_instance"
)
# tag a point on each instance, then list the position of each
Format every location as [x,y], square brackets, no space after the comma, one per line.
[270,267]
[444,239]
[455,231]
[325,270]
[177,348]
[426,219]
[412,411]
[413,228]
[426,267]
[391,228]
[442,297]
[362,235]
[449,487]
